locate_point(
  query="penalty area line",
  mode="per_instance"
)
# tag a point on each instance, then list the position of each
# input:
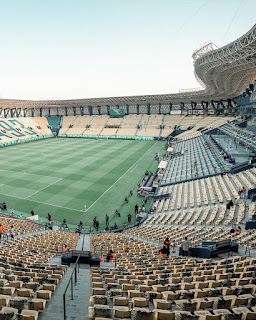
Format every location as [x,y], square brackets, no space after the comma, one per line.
[42,189]
[47,204]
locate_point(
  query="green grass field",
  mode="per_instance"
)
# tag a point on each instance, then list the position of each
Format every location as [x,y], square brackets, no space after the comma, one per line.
[75,178]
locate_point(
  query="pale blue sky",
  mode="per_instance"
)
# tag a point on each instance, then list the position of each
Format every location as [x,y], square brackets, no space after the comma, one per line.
[64,49]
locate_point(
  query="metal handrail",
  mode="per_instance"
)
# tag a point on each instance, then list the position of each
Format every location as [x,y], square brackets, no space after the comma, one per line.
[83,242]
[75,270]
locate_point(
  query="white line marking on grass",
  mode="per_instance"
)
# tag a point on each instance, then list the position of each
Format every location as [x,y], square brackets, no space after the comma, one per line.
[48,204]
[120,178]
[42,189]
[23,171]
[134,167]
[1,184]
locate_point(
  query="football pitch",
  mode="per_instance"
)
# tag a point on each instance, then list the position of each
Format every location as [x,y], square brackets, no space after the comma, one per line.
[75,178]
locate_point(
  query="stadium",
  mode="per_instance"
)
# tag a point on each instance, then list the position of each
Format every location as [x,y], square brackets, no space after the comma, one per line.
[134,207]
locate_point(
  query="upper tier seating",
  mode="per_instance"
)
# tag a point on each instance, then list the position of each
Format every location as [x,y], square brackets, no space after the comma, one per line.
[142,125]
[245,136]
[205,124]
[198,157]
[217,189]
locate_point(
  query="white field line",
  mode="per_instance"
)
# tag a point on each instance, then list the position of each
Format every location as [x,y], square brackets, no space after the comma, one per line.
[119,178]
[23,171]
[48,204]
[42,189]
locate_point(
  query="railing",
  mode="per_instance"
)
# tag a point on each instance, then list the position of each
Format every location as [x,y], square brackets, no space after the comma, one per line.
[72,282]
[83,242]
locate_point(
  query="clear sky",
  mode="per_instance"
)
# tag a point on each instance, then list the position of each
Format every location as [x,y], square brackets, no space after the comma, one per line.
[65,49]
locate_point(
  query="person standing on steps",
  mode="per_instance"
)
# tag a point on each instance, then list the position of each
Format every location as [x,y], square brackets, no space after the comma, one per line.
[1,231]
[167,246]
[12,232]
[186,246]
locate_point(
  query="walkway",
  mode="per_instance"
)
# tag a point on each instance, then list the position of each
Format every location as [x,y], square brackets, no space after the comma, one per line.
[76,309]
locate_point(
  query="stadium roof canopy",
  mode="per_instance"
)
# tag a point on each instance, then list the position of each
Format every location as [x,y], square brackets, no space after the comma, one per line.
[223,72]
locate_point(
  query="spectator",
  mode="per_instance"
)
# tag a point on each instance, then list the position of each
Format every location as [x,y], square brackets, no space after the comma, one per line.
[32,213]
[186,244]
[4,206]
[12,232]
[242,191]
